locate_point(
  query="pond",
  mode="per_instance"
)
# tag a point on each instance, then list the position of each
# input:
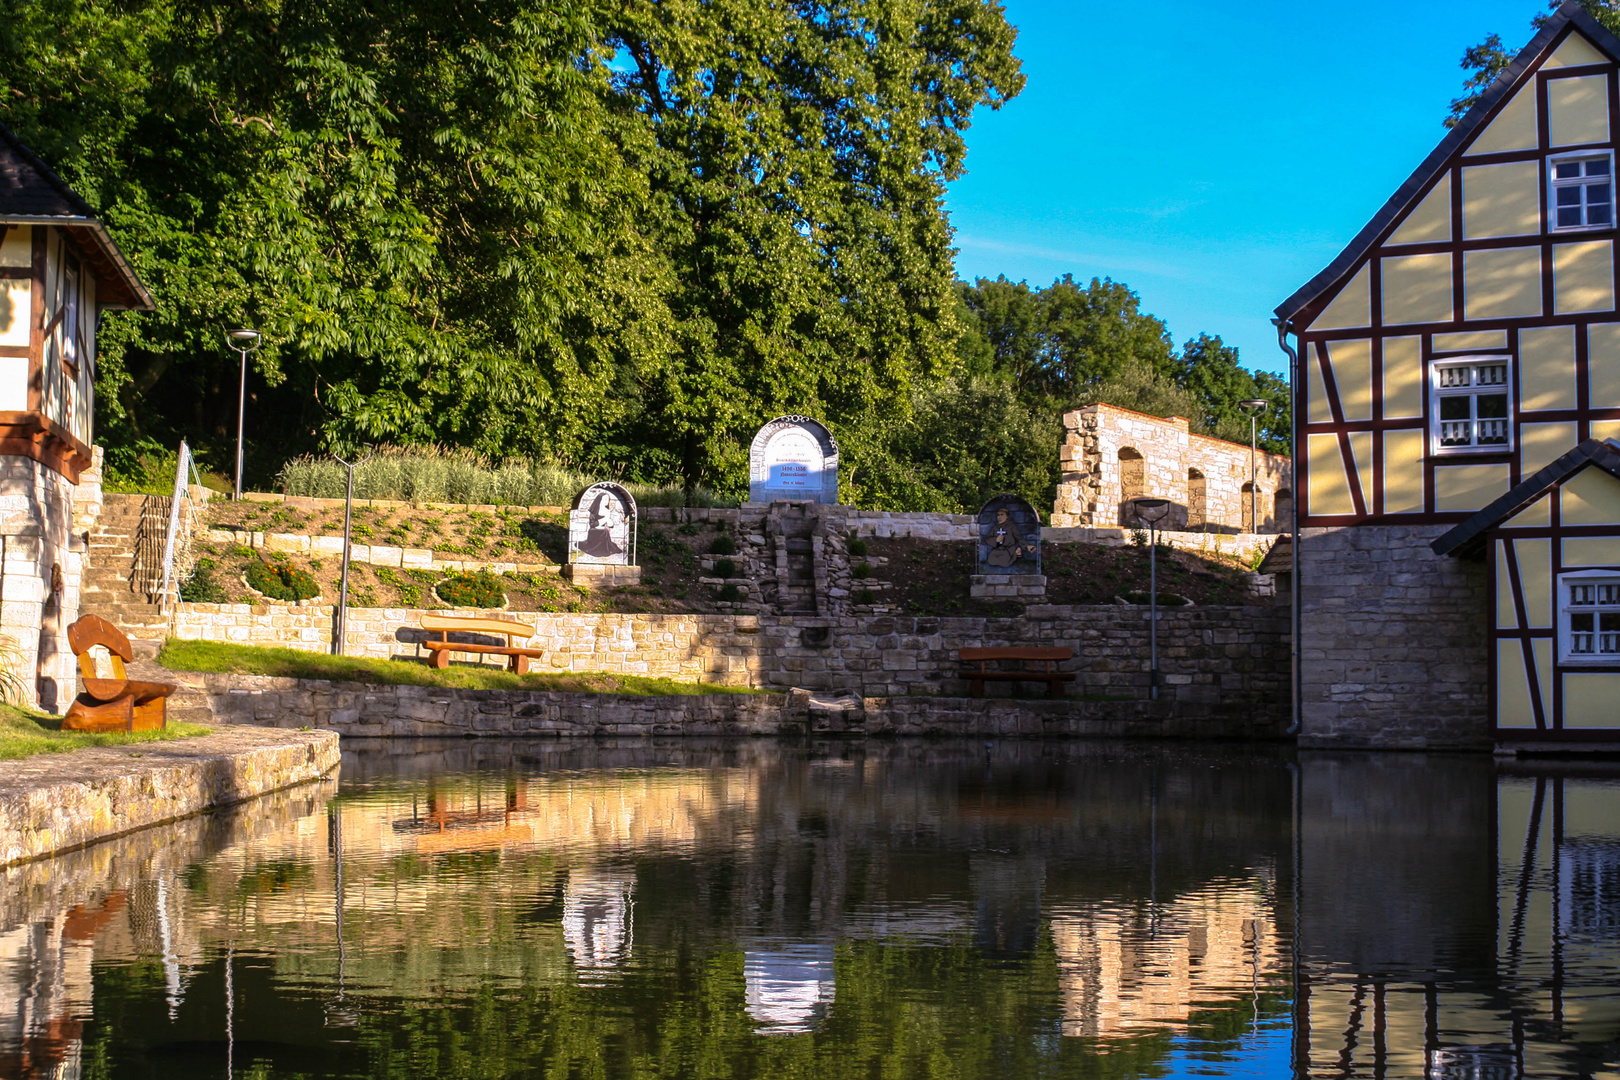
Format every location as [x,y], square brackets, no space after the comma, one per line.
[893,909]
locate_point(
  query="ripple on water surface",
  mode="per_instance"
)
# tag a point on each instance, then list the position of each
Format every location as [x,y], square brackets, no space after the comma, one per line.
[906,909]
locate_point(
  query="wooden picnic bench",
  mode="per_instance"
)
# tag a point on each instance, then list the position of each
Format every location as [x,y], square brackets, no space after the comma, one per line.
[1035,665]
[112,701]
[445,625]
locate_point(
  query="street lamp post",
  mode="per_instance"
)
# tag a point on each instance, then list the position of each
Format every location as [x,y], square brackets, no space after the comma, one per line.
[244,342]
[1151,510]
[1254,407]
[340,639]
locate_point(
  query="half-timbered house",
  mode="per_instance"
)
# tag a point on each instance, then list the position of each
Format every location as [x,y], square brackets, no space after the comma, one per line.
[59,270]
[1463,347]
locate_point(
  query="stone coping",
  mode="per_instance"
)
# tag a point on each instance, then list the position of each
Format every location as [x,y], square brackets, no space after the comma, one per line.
[50,803]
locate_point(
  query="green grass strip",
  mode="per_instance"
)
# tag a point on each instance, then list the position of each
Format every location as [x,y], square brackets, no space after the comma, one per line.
[24,733]
[221,657]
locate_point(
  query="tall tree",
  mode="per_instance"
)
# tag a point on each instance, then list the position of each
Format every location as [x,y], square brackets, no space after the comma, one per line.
[1485,61]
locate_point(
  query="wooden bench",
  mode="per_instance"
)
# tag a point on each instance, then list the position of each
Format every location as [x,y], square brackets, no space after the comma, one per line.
[1035,665]
[111,700]
[445,625]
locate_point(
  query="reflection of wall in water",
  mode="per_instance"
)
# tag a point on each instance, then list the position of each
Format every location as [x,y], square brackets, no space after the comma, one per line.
[1123,966]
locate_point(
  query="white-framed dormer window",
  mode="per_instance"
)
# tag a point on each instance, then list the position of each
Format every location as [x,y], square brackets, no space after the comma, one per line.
[1470,403]
[1582,191]
[1589,617]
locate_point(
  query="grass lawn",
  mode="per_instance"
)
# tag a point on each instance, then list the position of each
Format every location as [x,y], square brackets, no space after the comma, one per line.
[23,734]
[214,656]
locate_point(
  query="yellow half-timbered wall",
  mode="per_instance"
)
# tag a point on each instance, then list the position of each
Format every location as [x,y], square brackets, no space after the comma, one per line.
[1475,266]
[1539,689]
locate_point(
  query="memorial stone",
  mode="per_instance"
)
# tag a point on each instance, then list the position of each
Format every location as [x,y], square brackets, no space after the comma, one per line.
[793,457]
[1008,566]
[602,536]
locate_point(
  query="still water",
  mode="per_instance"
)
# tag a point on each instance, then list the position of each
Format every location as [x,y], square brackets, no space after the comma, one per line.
[843,909]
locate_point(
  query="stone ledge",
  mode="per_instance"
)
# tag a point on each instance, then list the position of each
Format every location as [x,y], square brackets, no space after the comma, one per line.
[52,803]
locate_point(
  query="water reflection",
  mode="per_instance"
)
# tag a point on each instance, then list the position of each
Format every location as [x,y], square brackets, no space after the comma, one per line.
[909,908]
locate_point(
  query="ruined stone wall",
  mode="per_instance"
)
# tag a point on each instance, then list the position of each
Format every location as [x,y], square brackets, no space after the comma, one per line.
[1228,655]
[1393,641]
[1094,487]
[43,520]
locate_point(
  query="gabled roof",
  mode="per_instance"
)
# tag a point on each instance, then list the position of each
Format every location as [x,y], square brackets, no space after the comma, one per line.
[1569,13]
[1469,537]
[32,194]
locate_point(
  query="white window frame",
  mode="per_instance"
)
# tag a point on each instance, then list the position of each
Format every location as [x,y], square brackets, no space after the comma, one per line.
[1554,185]
[1438,392]
[1592,579]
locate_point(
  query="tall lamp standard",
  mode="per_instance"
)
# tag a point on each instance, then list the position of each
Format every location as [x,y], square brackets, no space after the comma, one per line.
[1254,407]
[1151,510]
[244,342]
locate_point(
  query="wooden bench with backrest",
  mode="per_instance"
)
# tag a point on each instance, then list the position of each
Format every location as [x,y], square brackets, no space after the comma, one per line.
[445,625]
[111,700]
[1034,665]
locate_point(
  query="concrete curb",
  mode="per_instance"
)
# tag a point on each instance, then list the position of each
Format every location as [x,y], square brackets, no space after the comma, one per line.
[51,803]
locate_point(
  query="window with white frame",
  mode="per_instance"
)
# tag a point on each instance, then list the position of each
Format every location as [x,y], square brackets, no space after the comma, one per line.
[1582,191]
[1470,404]
[1589,617]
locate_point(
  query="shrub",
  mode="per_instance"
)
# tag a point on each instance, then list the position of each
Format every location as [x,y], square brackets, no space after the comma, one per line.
[725,568]
[723,545]
[282,581]
[1139,537]
[728,593]
[864,596]
[202,587]
[858,547]
[480,590]
[863,570]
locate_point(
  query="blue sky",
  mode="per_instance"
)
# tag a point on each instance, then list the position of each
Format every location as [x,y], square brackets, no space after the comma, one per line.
[1212,156]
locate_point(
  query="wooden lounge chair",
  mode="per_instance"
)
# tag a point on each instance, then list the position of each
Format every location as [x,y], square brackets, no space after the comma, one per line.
[111,700]
[451,624]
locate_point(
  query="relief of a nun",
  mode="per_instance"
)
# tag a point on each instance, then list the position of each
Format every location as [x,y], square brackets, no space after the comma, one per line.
[607,517]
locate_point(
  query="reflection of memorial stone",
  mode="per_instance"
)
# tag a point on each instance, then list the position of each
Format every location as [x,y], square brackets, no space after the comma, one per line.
[1008,566]
[596,920]
[602,536]
[793,457]
[788,988]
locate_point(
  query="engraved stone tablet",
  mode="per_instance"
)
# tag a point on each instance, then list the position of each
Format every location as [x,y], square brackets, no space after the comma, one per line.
[793,457]
[602,527]
[1009,537]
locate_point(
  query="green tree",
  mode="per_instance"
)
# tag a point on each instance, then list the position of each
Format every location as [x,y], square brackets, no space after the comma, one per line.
[1489,58]
[1209,370]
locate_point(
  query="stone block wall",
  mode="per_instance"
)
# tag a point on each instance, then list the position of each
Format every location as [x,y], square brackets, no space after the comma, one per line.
[1092,490]
[1234,656]
[43,521]
[1394,641]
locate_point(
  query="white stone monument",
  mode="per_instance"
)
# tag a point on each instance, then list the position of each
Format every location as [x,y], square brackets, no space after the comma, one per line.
[602,536]
[793,457]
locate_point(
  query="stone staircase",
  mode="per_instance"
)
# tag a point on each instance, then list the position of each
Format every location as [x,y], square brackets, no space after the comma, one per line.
[109,590]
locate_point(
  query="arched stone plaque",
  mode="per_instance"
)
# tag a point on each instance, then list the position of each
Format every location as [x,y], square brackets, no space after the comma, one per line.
[602,527]
[1009,537]
[793,457]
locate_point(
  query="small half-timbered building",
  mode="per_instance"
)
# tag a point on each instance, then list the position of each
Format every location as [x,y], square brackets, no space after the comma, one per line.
[59,270]
[1462,347]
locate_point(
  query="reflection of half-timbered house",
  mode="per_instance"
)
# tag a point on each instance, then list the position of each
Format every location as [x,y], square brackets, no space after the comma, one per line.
[1464,342]
[59,269]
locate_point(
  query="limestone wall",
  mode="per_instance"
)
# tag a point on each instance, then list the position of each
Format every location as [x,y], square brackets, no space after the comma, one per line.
[43,522]
[357,709]
[1393,641]
[1232,655]
[1101,442]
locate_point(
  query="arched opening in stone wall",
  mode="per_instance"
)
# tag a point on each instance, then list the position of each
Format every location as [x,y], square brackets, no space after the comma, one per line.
[1132,483]
[1284,502]
[1197,501]
[1248,507]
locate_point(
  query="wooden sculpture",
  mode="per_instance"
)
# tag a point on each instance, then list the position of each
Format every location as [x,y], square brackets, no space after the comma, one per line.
[112,701]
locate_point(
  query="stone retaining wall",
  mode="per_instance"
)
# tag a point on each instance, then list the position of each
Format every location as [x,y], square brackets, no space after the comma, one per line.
[1228,655]
[56,802]
[357,709]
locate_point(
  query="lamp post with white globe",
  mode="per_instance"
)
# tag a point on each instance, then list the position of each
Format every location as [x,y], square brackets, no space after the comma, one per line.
[244,342]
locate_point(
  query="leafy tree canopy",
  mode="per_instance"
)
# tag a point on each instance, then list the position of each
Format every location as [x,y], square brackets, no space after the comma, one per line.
[1485,61]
